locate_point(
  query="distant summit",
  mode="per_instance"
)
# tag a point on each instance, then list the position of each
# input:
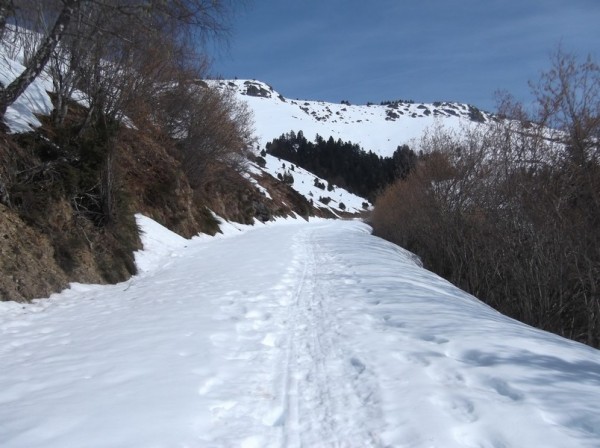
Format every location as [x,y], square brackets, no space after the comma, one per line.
[379,128]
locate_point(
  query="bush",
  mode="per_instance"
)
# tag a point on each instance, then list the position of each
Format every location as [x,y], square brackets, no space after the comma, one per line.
[511,215]
[260,161]
[476,115]
[319,184]
[287,178]
[212,128]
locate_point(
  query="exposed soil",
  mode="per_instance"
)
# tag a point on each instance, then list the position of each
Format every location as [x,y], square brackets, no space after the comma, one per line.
[46,242]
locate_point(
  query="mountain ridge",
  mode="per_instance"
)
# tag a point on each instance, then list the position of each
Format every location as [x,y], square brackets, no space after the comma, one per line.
[379,128]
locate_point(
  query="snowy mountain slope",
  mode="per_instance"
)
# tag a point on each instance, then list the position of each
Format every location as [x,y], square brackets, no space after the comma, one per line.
[307,334]
[22,117]
[375,128]
[312,187]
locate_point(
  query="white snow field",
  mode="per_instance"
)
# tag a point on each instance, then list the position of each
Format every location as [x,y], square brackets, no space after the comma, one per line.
[304,183]
[376,128]
[297,335]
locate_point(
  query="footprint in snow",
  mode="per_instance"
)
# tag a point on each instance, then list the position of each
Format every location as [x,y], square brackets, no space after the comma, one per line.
[460,408]
[412,358]
[391,322]
[445,376]
[257,314]
[503,389]
[358,365]
[219,409]
[221,339]
[244,327]
[208,385]
[352,281]
[275,417]
[235,293]
[270,340]
[432,338]
[466,437]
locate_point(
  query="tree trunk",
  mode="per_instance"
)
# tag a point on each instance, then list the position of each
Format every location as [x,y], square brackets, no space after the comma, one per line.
[6,8]
[16,88]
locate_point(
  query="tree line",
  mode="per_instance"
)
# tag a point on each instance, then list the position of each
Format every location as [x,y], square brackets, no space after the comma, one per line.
[344,164]
[510,211]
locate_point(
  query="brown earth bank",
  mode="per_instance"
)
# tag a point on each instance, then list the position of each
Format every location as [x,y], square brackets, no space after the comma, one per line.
[67,204]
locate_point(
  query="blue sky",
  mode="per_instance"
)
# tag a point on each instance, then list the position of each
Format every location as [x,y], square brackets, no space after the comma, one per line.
[425,50]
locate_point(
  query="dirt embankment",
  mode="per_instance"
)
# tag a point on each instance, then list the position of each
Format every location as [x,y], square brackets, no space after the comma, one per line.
[58,223]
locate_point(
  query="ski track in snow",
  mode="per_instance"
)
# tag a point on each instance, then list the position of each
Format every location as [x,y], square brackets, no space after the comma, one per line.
[321,380]
[296,335]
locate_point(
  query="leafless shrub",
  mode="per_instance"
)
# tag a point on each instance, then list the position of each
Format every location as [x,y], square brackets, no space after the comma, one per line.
[213,129]
[108,34]
[512,213]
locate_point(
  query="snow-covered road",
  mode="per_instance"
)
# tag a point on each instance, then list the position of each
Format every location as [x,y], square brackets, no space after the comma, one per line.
[292,335]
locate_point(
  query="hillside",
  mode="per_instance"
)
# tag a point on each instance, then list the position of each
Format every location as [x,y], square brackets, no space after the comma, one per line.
[297,334]
[53,218]
[377,128]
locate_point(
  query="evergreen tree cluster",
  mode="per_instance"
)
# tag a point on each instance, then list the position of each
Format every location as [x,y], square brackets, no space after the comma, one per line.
[395,103]
[344,164]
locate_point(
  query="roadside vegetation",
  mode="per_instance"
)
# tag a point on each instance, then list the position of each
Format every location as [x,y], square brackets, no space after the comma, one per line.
[511,212]
[133,129]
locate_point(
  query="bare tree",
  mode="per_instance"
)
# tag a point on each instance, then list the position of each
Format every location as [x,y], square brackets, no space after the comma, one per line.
[36,65]
[212,130]
[109,22]
[6,10]
[512,213]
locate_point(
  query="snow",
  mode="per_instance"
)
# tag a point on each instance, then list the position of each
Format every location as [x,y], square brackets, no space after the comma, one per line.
[254,169]
[304,183]
[306,334]
[21,115]
[372,127]
[159,244]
